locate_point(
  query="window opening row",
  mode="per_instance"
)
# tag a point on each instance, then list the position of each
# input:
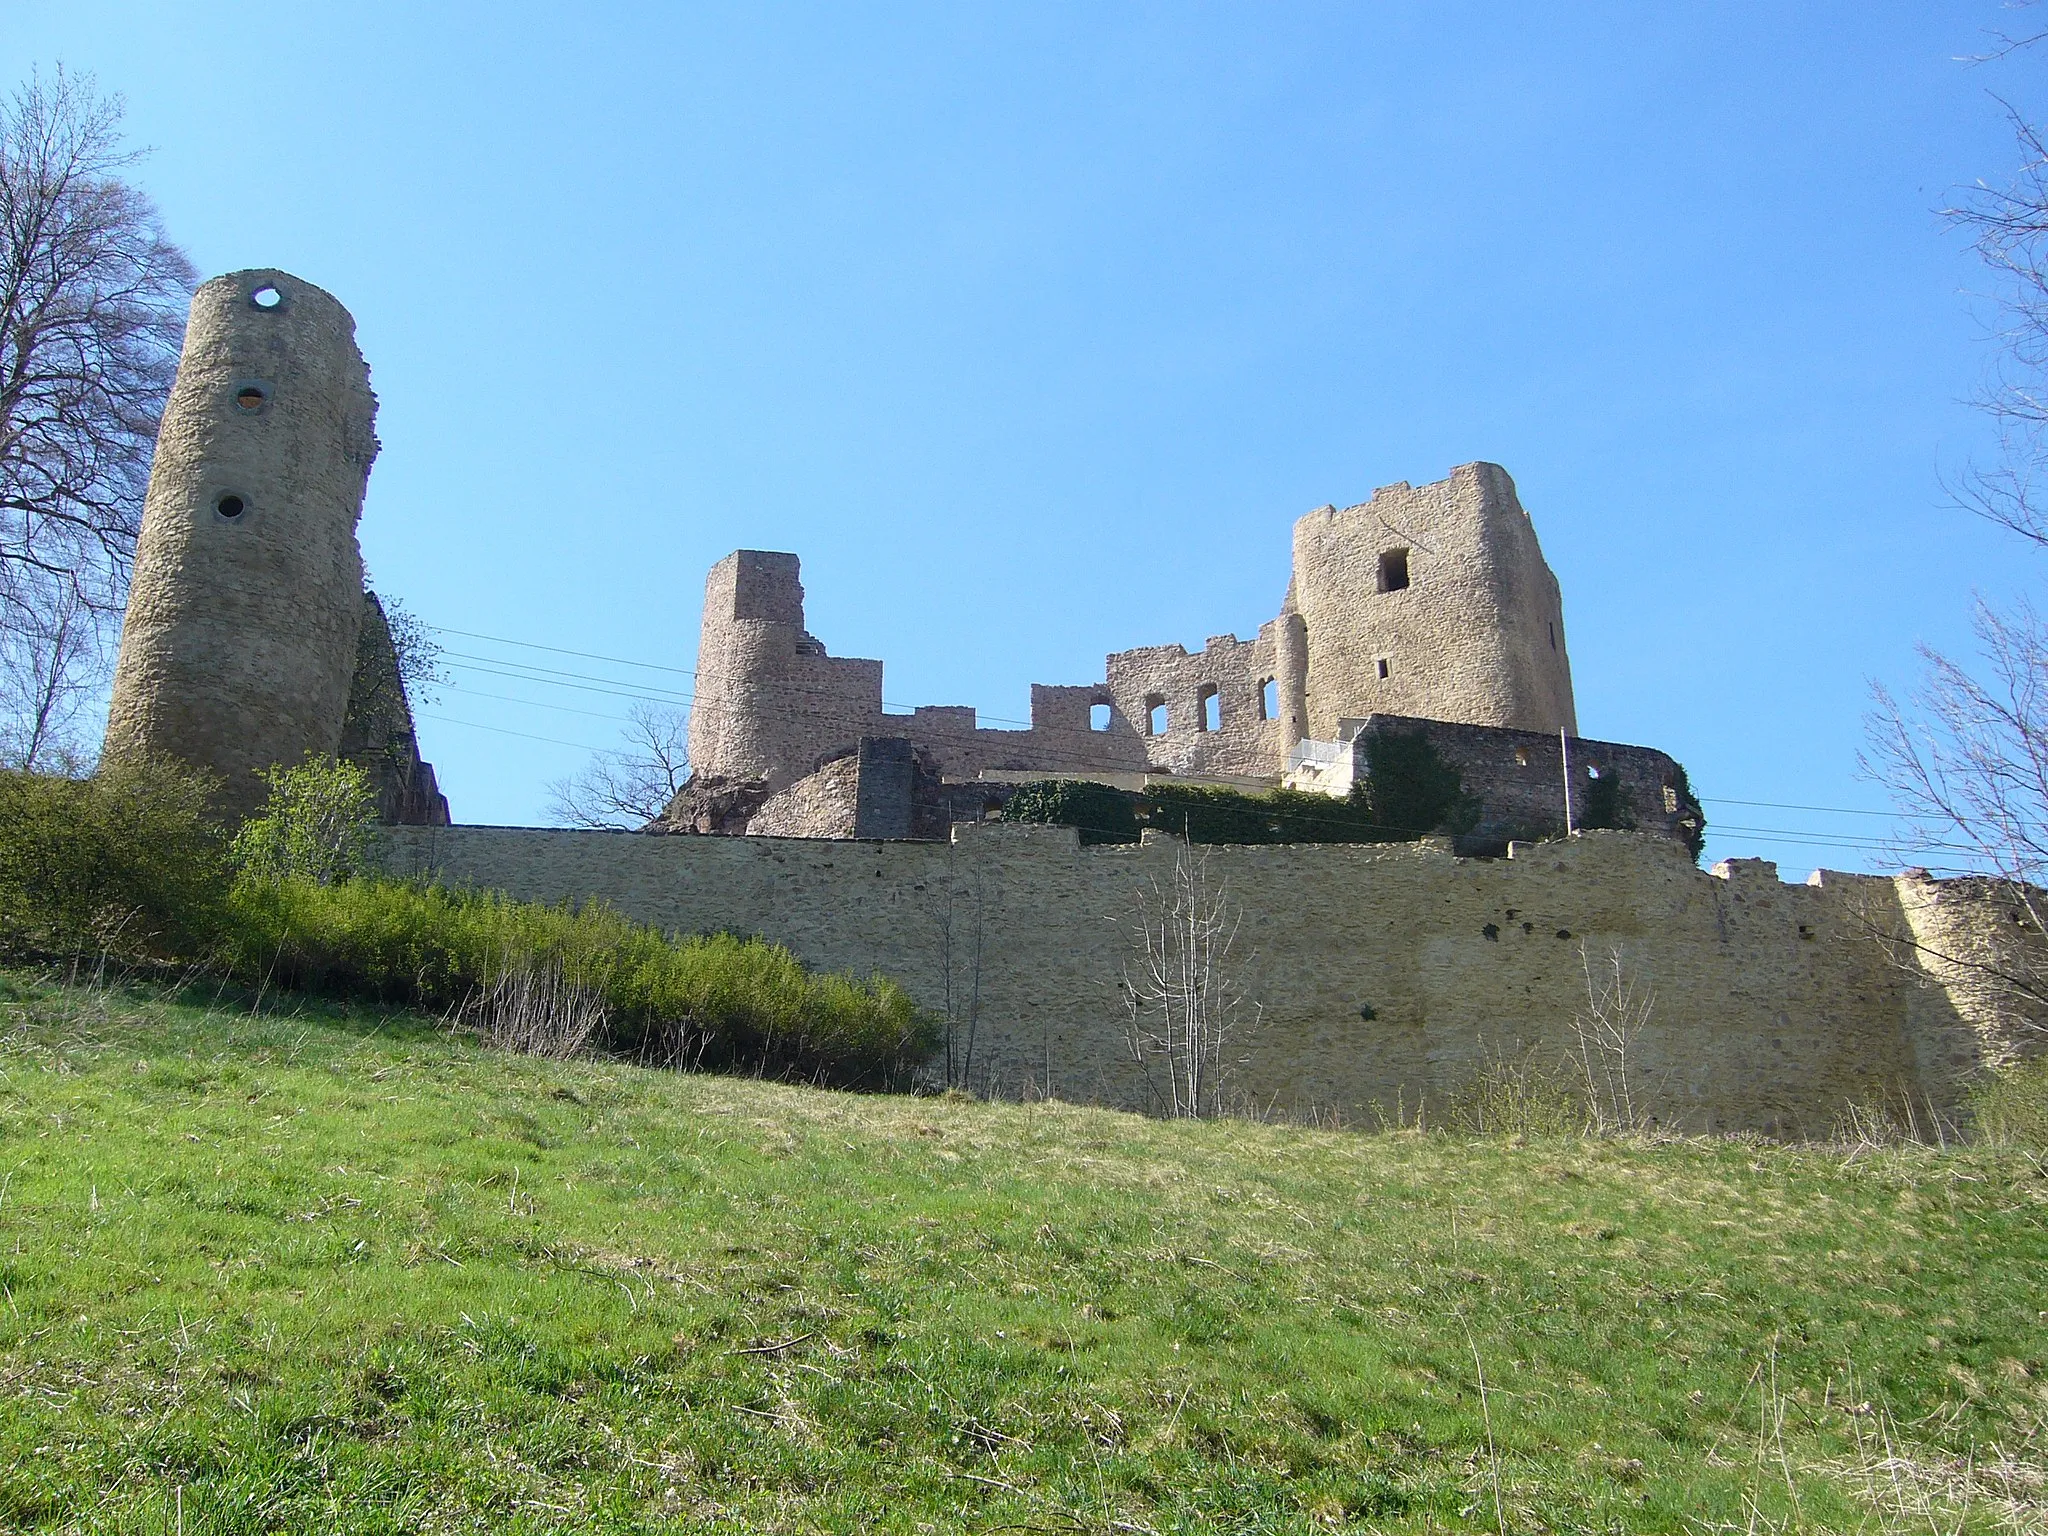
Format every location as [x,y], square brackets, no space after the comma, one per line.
[1208,709]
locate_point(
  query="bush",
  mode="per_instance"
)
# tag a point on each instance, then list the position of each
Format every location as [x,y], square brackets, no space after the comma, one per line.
[1098,812]
[127,863]
[1409,791]
[316,824]
[719,1002]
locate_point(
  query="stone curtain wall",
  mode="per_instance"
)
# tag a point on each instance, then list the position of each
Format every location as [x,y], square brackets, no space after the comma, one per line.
[1387,974]
[1519,777]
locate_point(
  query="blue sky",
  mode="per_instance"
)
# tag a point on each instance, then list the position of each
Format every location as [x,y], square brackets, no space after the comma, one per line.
[1033,328]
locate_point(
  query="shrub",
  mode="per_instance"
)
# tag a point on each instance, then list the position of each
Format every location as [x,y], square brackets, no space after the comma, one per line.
[718,1001]
[127,863]
[1100,813]
[1409,791]
[316,824]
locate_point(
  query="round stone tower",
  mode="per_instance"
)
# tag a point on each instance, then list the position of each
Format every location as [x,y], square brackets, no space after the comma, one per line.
[240,637]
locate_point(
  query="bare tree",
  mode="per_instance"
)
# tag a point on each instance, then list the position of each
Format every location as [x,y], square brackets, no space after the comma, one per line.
[1184,1004]
[1618,1005]
[92,309]
[1965,753]
[631,786]
[52,660]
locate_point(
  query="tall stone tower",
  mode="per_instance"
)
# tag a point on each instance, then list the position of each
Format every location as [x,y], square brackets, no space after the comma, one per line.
[768,695]
[243,617]
[1433,601]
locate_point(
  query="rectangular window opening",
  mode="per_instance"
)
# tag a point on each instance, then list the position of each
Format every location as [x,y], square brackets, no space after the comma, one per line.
[1386,669]
[1393,570]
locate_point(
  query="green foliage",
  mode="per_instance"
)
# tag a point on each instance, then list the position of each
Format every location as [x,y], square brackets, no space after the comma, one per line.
[1205,814]
[2010,1108]
[126,863]
[1601,806]
[1100,813]
[1696,835]
[1409,792]
[322,1270]
[317,824]
[1413,792]
[718,1001]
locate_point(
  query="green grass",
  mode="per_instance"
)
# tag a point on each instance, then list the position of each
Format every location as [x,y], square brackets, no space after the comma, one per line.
[325,1269]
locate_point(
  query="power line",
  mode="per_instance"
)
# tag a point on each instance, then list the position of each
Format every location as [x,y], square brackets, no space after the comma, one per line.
[1779,805]
[477,725]
[507,698]
[543,675]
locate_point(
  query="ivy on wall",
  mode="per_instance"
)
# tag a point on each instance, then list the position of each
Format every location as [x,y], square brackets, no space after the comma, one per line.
[1409,791]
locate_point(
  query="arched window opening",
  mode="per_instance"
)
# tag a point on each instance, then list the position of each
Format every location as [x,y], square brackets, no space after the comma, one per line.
[1098,717]
[1269,700]
[1155,715]
[1393,570]
[1210,716]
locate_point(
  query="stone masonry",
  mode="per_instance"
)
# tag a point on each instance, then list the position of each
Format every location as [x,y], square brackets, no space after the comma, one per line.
[1387,975]
[239,649]
[1433,602]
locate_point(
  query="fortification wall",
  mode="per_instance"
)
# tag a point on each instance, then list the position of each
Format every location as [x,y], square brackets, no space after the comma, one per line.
[1444,589]
[1519,776]
[1385,973]
[240,637]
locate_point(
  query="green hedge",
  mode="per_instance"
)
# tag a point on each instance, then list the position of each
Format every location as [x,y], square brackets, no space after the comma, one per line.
[126,864]
[129,864]
[719,1001]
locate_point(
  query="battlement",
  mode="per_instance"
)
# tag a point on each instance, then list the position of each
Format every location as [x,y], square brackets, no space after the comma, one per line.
[1432,602]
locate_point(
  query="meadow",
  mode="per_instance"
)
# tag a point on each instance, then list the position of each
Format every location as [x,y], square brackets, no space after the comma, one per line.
[270,1264]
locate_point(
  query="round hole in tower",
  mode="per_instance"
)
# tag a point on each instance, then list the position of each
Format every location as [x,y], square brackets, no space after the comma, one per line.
[252,397]
[266,297]
[231,506]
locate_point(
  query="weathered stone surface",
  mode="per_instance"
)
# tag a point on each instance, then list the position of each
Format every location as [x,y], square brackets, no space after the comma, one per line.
[377,730]
[1387,974]
[239,643]
[712,807]
[1443,589]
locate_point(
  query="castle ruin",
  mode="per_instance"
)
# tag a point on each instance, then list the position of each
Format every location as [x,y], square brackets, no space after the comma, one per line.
[1387,975]
[1428,610]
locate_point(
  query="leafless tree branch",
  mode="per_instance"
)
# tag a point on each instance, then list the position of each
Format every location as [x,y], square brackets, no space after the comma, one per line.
[1184,1003]
[92,310]
[631,786]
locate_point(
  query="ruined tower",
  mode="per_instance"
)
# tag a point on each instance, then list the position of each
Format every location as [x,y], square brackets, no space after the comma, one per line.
[243,618]
[767,694]
[1432,601]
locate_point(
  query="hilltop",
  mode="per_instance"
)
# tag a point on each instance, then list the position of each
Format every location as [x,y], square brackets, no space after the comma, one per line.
[317,1269]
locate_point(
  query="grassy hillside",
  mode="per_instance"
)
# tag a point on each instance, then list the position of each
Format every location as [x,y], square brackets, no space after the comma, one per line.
[323,1270]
